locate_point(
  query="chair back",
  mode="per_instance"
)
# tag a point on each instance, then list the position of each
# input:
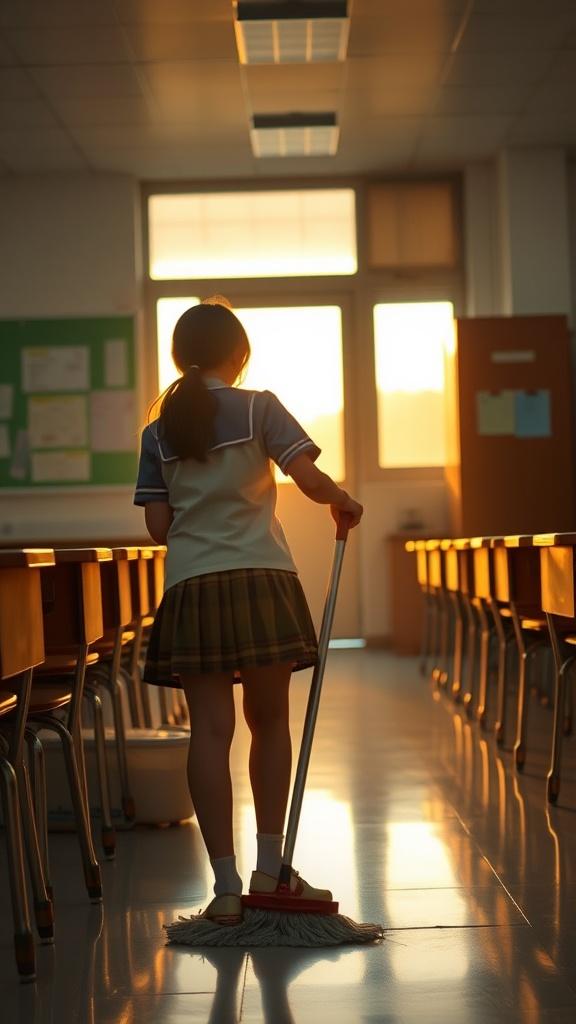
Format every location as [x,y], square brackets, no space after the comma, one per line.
[21,632]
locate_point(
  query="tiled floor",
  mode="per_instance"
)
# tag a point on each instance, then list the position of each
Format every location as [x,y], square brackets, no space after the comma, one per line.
[410,817]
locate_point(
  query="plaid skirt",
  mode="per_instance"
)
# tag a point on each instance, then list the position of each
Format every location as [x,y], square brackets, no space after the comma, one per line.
[224,621]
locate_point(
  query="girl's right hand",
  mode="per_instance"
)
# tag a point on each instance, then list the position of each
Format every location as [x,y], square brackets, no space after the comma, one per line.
[352,508]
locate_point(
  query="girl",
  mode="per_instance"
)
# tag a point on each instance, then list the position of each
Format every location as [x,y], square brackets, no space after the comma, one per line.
[233,600]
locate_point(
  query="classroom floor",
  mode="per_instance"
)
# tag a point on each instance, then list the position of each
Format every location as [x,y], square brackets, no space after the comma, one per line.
[410,817]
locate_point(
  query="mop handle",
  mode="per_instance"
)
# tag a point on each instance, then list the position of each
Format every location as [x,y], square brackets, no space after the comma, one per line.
[314,699]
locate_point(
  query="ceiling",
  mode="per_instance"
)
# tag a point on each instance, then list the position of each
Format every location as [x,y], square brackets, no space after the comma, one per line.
[153,88]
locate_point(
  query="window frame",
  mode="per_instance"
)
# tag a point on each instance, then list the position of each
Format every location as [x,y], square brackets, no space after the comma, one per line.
[355,293]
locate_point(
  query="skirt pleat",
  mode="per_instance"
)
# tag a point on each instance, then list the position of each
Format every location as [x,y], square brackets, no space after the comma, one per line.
[226,621]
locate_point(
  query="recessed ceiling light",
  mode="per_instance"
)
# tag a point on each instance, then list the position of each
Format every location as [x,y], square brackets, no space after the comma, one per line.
[291,32]
[296,134]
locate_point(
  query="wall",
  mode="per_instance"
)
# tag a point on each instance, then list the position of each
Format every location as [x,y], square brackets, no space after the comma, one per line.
[69,246]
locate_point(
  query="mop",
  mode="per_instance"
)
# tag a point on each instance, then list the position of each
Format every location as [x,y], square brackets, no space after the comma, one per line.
[280,918]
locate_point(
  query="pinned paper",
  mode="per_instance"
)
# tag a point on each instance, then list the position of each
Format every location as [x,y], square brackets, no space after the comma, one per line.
[495,412]
[60,467]
[113,421]
[58,422]
[6,401]
[533,417]
[116,363]
[56,368]
[5,448]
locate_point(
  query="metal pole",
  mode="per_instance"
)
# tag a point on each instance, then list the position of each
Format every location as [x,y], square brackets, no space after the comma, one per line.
[313,703]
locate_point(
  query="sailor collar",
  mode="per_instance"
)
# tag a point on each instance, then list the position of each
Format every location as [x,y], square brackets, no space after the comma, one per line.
[234,423]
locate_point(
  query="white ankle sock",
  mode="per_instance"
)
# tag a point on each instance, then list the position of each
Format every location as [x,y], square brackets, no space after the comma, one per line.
[269,853]
[226,876]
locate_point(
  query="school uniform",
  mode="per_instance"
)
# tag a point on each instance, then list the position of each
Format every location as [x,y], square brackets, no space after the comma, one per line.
[232,597]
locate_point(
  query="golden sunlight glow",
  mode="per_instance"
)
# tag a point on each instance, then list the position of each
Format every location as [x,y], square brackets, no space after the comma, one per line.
[415,855]
[297,354]
[411,343]
[295,233]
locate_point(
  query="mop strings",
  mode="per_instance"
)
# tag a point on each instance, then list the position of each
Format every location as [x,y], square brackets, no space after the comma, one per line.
[273,928]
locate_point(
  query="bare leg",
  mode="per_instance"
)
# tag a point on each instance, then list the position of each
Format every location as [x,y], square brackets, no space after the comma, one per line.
[211,706]
[266,710]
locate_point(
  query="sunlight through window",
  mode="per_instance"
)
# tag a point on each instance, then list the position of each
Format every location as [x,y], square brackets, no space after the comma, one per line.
[220,235]
[411,342]
[297,354]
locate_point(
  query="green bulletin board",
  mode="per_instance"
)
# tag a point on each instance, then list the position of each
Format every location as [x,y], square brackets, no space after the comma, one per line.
[68,415]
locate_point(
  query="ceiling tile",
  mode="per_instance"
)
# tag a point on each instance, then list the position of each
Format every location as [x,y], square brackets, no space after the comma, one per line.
[416,8]
[93,45]
[295,87]
[363,104]
[173,12]
[498,68]
[15,83]
[44,148]
[174,162]
[7,58]
[185,90]
[88,81]
[26,114]
[525,32]
[544,129]
[432,32]
[394,72]
[461,138]
[480,99]
[108,137]
[202,40]
[103,111]
[54,13]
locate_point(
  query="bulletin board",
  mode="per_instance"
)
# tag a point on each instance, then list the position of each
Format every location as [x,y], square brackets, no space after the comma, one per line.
[68,414]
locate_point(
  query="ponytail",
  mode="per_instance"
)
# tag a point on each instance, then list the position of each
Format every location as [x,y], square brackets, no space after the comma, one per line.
[204,337]
[187,416]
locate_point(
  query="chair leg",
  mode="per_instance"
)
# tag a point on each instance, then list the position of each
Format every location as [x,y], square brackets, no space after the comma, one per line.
[112,683]
[501,685]
[107,828]
[38,780]
[89,862]
[426,633]
[482,709]
[562,667]
[43,909]
[23,938]
[470,675]
[442,678]
[458,647]
[522,712]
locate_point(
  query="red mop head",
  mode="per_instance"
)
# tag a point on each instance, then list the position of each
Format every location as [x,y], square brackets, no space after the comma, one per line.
[283,900]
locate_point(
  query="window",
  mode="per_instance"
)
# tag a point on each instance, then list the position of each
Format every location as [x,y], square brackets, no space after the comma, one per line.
[297,354]
[252,234]
[411,341]
[411,224]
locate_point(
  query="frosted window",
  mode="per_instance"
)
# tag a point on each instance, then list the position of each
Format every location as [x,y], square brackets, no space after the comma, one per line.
[411,225]
[411,341]
[252,234]
[297,354]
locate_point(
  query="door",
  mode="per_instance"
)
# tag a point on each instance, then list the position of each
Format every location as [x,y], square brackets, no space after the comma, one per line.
[299,353]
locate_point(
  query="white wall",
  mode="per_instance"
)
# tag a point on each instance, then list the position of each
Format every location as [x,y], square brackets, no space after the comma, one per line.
[69,246]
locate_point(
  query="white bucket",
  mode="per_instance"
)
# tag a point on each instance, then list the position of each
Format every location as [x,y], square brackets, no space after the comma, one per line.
[157,768]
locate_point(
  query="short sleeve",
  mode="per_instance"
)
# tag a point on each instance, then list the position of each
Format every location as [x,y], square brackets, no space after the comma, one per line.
[150,485]
[283,436]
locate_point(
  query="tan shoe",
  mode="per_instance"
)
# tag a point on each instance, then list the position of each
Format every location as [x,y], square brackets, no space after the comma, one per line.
[224,909]
[262,883]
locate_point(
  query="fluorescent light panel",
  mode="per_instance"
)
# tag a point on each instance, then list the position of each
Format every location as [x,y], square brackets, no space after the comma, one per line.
[292,33]
[285,135]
